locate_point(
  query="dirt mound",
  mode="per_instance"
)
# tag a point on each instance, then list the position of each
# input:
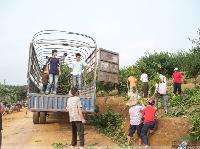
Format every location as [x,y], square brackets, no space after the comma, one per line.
[169,131]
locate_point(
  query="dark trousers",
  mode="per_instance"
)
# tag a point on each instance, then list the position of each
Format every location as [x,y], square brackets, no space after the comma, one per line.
[77,127]
[133,128]
[177,87]
[44,87]
[145,89]
[145,128]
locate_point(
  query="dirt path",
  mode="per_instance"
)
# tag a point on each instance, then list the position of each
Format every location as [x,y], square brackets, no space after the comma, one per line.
[19,132]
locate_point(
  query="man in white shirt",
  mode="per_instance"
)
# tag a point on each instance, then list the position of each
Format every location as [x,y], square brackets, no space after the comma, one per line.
[77,120]
[144,79]
[77,70]
[161,90]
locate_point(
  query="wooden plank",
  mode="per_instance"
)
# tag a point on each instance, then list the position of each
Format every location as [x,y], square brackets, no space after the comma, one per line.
[108,77]
[108,67]
[109,56]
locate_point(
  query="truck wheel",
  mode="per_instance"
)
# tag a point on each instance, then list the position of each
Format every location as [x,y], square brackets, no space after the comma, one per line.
[36,117]
[42,117]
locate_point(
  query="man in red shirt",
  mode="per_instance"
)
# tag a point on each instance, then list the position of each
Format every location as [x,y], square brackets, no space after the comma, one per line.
[149,115]
[177,79]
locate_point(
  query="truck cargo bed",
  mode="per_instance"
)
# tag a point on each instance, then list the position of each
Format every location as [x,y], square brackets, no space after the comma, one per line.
[56,103]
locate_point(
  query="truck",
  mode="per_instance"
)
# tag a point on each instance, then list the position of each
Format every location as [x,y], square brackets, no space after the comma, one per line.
[105,69]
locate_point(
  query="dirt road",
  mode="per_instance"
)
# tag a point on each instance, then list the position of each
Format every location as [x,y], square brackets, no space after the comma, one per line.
[20,132]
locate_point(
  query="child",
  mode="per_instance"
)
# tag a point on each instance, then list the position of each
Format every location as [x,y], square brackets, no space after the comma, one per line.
[45,78]
[135,112]
[149,121]
[76,117]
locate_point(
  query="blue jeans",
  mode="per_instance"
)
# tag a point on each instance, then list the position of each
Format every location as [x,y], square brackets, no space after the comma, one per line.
[77,81]
[144,131]
[53,83]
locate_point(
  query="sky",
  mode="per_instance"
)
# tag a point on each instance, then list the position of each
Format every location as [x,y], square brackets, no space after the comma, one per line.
[130,27]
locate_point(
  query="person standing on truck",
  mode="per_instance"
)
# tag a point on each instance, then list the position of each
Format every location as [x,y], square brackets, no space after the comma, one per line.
[76,117]
[77,70]
[177,79]
[53,66]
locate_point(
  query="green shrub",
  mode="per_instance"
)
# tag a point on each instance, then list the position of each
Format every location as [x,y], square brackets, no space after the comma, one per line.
[196,125]
[111,124]
[57,145]
[189,105]
[12,94]
[64,81]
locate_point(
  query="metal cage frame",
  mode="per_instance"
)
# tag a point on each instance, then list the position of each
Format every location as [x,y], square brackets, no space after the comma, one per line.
[45,41]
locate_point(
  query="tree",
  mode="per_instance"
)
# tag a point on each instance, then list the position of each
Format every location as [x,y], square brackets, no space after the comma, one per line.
[193,57]
[64,81]
[12,94]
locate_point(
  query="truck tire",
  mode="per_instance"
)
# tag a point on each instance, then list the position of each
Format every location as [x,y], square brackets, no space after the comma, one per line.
[36,117]
[42,117]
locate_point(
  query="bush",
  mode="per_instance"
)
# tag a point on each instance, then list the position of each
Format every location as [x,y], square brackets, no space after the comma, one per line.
[111,124]
[64,81]
[107,87]
[188,104]
[196,125]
